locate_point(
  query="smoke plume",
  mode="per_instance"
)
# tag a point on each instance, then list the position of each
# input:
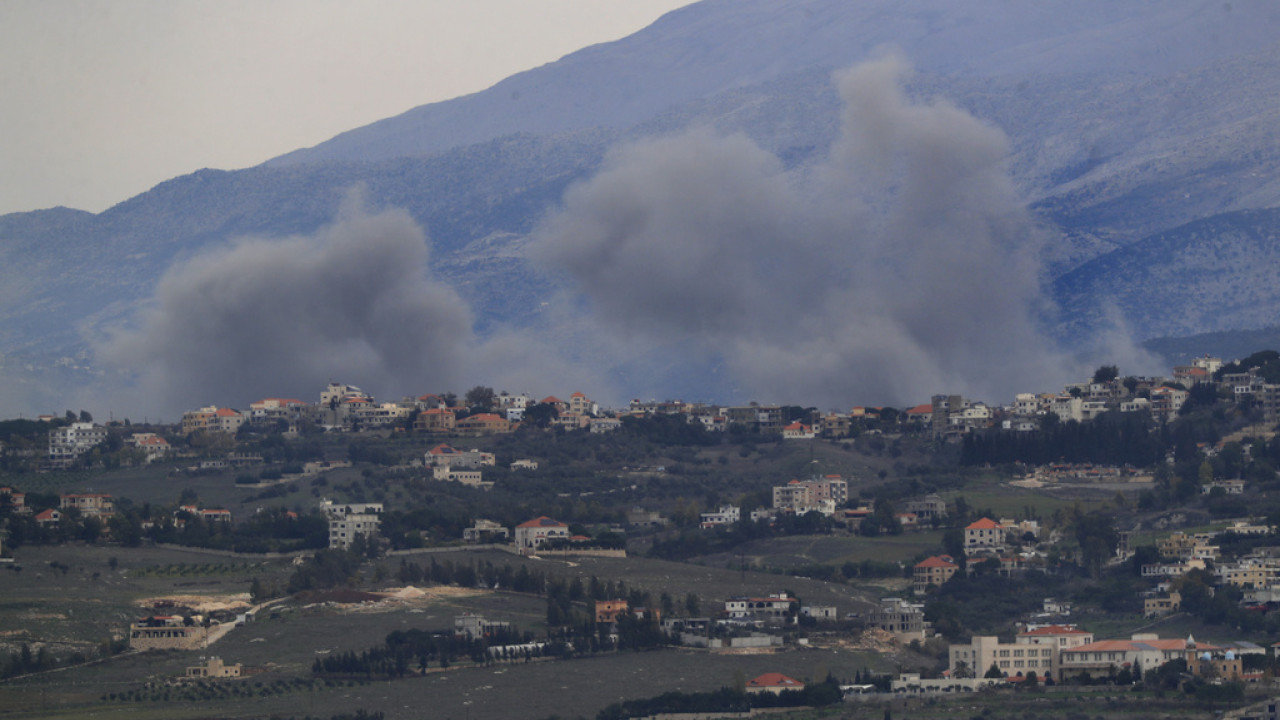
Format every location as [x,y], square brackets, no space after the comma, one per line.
[354,302]
[901,266]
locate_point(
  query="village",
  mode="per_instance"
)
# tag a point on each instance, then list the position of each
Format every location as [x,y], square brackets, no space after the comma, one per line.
[1192,532]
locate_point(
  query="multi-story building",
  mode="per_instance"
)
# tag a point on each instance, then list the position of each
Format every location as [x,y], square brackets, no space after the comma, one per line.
[1034,650]
[580,404]
[71,441]
[984,535]
[775,607]
[537,532]
[435,419]
[447,456]
[932,572]
[154,446]
[485,531]
[801,496]
[89,504]
[347,522]
[726,515]
[904,619]
[1145,650]
[212,419]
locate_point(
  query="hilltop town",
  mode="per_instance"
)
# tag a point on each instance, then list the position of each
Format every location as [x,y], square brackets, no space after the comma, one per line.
[1114,536]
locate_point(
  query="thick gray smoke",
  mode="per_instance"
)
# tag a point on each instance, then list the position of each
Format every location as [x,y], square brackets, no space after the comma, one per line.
[902,266]
[282,317]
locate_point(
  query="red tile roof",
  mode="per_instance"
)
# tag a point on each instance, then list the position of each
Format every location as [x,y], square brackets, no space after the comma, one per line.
[542,521]
[775,680]
[935,562]
[984,524]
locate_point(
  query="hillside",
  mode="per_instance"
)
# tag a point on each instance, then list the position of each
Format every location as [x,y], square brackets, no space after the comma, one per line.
[1112,138]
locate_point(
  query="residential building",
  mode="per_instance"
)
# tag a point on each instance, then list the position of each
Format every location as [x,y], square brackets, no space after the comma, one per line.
[533,534]
[822,495]
[524,464]
[214,668]
[580,404]
[1160,606]
[773,683]
[927,508]
[483,424]
[474,626]
[347,522]
[904,619]
[446,456]
[984,535]
[89,504]
[932,572]
[437,420]
[472,478]
[772,608]
[726,515]
[153,446]
[1145,650]
[486,531]
[608,611]
[14,500]
[71,441]
[48,517]
[798,431]
[212,419]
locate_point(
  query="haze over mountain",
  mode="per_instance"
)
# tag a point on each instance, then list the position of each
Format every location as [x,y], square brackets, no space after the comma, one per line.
[706,209]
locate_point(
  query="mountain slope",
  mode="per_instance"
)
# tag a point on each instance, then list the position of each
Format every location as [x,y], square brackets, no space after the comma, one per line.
[1125,121]
[1219,273]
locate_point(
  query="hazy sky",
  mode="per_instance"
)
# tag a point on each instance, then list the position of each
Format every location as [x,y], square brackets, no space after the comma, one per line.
[104,99]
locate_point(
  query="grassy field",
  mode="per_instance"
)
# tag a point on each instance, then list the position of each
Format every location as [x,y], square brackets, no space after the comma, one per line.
[283,645]
[1013,502]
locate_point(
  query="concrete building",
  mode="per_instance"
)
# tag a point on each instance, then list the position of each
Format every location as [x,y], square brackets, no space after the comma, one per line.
[773,683]
[904,619]
[346,522]
[89,504]
[775,607]
[71,441]
[214,668]
[486,531]
[533,534]
[932,572]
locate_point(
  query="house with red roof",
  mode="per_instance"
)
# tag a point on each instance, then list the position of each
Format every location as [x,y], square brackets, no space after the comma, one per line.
[983,535]
[932,572]
[49,517]
[483,424]
[773,683]
[580,404]
[14,500]
[436,419]
[798,431]
[89,504]
[535,533]
[1144,650]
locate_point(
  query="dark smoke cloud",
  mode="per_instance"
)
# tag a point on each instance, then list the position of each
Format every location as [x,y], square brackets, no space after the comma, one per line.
[281,317]
[902,266]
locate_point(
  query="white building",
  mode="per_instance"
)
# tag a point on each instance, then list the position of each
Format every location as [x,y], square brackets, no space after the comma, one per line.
[537,532]
[71,441]
[346,522]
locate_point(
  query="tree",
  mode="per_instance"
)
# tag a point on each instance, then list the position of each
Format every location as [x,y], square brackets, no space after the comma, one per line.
[1106,374]
[480,398]
[962,670]
[692,604]
[993,672]
[85,417]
